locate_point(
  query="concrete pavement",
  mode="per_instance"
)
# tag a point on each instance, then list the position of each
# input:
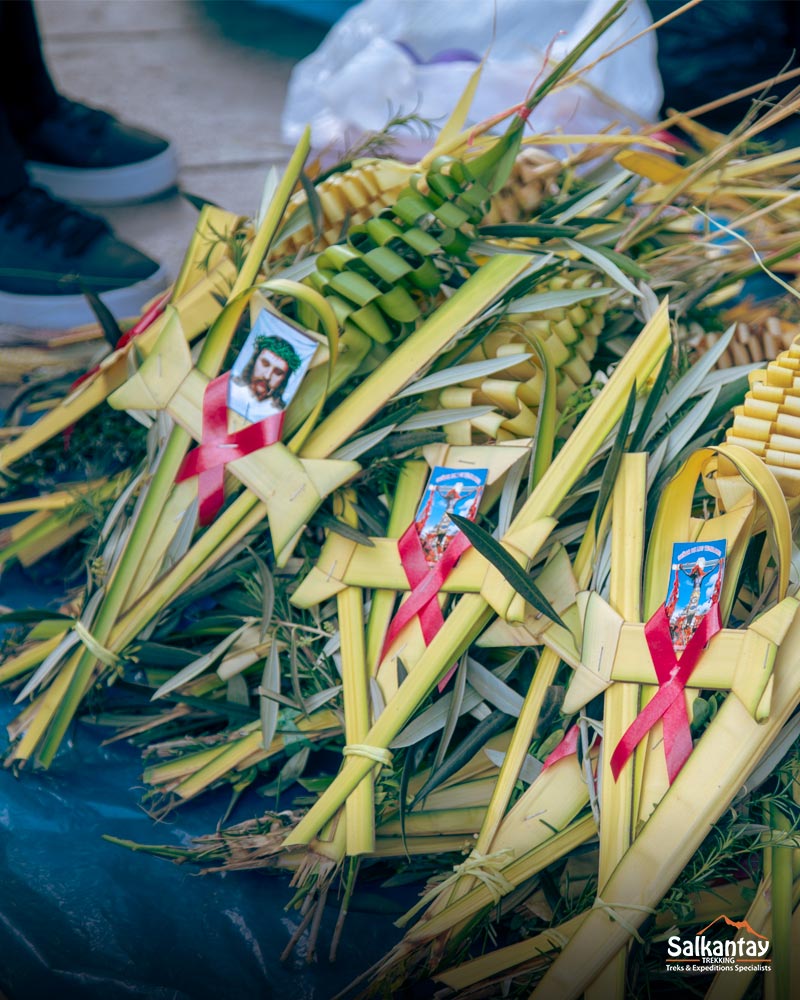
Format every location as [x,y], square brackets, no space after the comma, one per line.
[211,75]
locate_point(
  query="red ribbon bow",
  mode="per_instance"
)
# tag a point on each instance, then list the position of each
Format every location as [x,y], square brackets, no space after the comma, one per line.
[218,447]
[668,704]
[425,580]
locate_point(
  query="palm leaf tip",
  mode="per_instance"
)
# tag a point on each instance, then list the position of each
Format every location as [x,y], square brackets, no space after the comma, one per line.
[494,553]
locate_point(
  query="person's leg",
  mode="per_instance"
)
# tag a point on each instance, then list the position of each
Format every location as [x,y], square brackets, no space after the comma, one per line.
[51,253]
[23,80]
[12,163]
[75,151]
[27,93]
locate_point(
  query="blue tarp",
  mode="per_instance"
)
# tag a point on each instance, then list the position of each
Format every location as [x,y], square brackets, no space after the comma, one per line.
[323,11]
[83,918]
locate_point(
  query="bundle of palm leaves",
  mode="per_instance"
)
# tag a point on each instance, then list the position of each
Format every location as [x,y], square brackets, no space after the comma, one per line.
[580,331]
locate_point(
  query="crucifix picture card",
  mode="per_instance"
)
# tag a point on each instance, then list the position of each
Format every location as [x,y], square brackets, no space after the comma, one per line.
[694,586]
[449,491]
[269,369]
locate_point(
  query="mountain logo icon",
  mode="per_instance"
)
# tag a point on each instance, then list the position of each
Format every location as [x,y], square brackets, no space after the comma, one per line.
[742,950]
[739,925]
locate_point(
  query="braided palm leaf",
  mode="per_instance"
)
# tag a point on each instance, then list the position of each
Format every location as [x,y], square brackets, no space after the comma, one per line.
[757,340]
[351,197]
[568,336]
[768,422]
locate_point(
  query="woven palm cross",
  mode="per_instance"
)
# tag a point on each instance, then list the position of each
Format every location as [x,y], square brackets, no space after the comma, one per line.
[379,566]
[291,488]
[643,803]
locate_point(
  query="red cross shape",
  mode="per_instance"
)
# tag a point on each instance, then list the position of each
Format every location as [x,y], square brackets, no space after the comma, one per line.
[218,447]
[668,704]
[425,580]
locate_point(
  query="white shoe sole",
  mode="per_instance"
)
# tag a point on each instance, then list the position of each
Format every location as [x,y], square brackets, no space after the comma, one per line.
[60,312]
[111,185]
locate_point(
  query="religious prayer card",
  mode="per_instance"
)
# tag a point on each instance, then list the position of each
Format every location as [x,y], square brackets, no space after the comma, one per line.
[449,491]
[269,369]
[694,586]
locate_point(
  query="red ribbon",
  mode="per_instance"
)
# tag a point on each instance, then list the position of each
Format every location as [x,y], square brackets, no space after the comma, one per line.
[567,746]
[145,320]
[425,580]
[668,704]
[218,447]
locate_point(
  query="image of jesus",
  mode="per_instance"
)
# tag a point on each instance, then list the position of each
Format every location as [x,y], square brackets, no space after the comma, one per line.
[257,392]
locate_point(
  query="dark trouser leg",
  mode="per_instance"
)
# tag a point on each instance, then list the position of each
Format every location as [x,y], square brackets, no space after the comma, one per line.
[27,94]
[12,165]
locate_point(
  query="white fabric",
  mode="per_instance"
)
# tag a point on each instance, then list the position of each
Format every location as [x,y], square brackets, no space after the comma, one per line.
[360,76]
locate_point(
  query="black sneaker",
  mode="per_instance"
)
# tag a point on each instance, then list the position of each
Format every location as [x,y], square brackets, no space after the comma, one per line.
[52,252]
[83,154]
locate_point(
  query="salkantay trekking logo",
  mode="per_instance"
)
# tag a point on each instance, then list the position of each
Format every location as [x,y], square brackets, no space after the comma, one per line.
[746,952]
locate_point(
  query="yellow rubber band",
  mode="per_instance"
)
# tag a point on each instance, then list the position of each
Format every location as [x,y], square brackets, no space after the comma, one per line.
[487,868]
[95,648]
[612,909]
[379,754]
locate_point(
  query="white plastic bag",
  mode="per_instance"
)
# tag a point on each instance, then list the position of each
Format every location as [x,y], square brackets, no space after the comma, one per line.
[389,57]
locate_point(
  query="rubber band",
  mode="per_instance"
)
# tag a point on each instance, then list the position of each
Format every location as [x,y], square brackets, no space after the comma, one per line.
[97,650]
[612,909]
[484,867]
[559,939]
[379,754]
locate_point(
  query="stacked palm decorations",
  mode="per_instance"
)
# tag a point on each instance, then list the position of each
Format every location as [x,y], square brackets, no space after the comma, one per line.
[441,554]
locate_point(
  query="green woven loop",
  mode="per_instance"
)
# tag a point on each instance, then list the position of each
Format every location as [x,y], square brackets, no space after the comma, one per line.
[387,264]
[375,279]
[354,287]
[456,243]
[381,231]
[341,308]
[451,215]
[320,280]
[442,185]
[371,321]
[476,198]
[444,164]
[427,277]
[410,207]
[421,241]
[337,257]
[399,306]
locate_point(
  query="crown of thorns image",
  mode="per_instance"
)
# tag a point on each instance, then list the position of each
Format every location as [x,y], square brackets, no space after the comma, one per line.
[281,349]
